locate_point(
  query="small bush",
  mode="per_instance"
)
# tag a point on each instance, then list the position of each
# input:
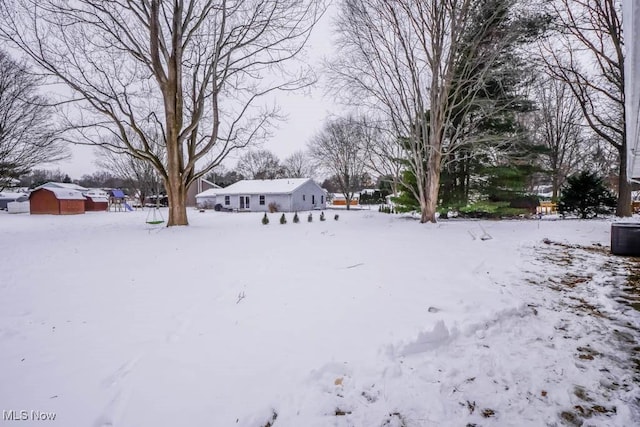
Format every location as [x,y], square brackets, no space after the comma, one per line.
[265,219]
[586,195]
[295,218]
[283,219]
[310,217]
[336,216]
[273,207]
[322,218]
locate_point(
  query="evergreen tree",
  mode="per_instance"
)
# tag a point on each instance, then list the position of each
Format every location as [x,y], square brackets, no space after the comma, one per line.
[283,219]
[322,216]
[295,218]
[265,219]
[310,217]
[586,195]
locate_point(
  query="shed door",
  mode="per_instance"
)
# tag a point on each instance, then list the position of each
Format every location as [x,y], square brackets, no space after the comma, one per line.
[244,202]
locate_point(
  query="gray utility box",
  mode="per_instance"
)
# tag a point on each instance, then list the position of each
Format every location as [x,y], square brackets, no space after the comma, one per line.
[625,239]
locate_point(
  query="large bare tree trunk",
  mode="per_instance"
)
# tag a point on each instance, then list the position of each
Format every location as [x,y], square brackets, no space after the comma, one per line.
[433,187]
[176,193]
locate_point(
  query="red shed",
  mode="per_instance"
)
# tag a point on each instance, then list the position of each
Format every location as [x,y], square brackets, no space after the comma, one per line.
[94,203]
[56,201]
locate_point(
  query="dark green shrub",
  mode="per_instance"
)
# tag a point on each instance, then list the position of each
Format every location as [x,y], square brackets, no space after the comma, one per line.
[265,219]
[322,216]
[336,216]
[295,218]
[586,195]
[283,219]
[310,217]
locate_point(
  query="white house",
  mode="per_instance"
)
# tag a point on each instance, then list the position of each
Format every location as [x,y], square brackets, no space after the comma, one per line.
[286,194]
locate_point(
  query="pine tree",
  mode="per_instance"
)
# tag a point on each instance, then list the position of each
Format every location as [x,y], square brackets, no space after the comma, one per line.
[322,216]
[283,220]
[310,217]
[586,195]
[265,219]
[295,218]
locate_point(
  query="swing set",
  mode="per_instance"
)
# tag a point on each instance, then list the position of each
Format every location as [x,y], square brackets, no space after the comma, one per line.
[156,217]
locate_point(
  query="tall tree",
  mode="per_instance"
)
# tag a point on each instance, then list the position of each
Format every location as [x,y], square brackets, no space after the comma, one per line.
[299,165]
[559,126]
[421,65]
[341,148]
[586,52]
[192,71]
[260,164]
[27,135]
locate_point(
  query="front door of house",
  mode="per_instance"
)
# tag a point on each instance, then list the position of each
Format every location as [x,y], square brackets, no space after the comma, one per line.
[244,202]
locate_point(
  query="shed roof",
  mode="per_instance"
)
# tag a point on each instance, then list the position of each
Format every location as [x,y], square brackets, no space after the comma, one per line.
[97,199]
[263,186]
[119,194]
[63,185]
[62,193]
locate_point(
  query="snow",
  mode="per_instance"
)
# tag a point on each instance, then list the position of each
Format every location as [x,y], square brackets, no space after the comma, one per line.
[63,185]
[371,320]
[63,193]
[262,186]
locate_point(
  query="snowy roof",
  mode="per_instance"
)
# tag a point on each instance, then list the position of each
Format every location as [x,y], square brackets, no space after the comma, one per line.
[97,198]
[64,185]
[209,193]
[63,193]
[9,195]
[263,186]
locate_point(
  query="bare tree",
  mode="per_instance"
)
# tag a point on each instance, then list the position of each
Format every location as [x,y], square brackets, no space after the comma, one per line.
[27,135]
[139,175]
[192,71]
[260,164]
[586,52]
[341,148]
[299,165]
[559,126]
[421,65]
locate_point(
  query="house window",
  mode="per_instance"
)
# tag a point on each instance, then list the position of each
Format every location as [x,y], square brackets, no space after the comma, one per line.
[322,199]
[313,199]
[304,197]
[227,200]
[261,200]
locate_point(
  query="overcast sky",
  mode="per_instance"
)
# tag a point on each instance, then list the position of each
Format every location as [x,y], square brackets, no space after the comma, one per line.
[305,112]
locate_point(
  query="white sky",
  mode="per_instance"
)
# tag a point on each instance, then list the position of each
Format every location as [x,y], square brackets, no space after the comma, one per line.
[305,112]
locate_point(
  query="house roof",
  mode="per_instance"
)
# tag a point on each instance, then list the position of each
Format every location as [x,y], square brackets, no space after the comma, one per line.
[63,185]
[263,186]
[62,193]
[208,193]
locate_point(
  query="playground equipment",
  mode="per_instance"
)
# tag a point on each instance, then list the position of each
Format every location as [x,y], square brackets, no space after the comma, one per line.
[156,218]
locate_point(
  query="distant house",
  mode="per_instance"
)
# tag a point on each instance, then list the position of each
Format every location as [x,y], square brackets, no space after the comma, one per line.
[7,197]
[56,201]
[338,199]
[285,195]
[201,185]
[96,200]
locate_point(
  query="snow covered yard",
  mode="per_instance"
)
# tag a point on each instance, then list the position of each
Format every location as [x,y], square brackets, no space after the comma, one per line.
[372,320]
